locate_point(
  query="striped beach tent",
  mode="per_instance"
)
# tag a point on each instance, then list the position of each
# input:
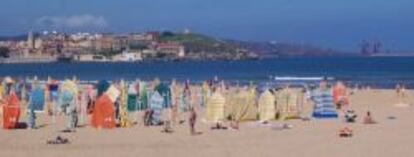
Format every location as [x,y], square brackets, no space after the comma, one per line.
[185,100]
[123,108]
[288,103]
[324,105]
[37,99]
[241,105]
[215,108]
[68,95]
[144,96]
[132,98]
[103,115]
[267,106]
[205,93]
[156,104]
[165,92]
[11,111]
[104,110]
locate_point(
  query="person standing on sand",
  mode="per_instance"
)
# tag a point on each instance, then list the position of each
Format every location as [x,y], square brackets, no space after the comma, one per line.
[192,121]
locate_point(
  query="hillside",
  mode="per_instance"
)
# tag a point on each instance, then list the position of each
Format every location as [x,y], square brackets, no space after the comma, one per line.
[272,50]
[202,47]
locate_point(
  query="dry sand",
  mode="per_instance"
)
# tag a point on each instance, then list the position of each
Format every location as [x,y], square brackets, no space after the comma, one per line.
[307,138]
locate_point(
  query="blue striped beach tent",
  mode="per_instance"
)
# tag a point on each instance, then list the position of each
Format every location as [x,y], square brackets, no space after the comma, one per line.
[37,99]
[156,104]
[324,106]
[165,92]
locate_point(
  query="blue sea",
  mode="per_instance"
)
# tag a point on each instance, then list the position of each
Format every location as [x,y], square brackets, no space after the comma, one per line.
[384,72]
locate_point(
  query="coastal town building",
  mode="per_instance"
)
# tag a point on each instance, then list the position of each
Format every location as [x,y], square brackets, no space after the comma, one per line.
[171,49]
[128,56]
[90,58]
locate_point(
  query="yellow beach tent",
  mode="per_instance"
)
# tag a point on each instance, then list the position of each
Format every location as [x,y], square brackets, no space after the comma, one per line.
[288,103]
[267,106]
[242,105]
[215,108]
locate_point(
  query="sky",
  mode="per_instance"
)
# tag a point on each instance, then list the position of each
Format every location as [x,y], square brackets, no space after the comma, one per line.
[336,24]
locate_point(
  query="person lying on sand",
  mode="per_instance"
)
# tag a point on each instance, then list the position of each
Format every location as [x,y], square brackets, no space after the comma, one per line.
[58,140]
[218,126]
[345,132]
[368,119]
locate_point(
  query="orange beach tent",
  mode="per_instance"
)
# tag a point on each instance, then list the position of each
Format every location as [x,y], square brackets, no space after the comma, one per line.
[103,115]
[11,111]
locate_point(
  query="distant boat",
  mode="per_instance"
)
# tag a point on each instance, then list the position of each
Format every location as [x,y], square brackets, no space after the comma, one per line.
[65,57]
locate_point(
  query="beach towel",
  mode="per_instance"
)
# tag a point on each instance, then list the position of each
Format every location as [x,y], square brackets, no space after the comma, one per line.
[37,100]
[267,106]
[324,105]
[215,108]
[104,113]
[11,111]
[156,104]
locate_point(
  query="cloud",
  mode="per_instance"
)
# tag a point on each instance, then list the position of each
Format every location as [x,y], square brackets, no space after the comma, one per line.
[75,21]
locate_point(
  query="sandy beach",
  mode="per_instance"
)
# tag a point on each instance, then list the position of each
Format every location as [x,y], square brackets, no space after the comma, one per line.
[390,137]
